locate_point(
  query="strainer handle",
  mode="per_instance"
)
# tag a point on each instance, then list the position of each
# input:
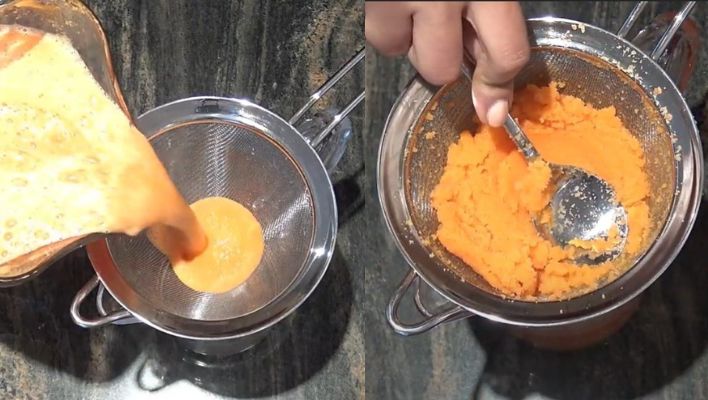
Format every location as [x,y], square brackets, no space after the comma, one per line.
[665,39]
[429,321]
[85,322]
[329,84]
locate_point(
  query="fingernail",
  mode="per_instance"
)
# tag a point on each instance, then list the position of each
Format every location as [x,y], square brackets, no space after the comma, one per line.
[476,109]
[497,113]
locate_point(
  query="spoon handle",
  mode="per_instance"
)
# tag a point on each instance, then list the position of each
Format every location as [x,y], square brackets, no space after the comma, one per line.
[520,139]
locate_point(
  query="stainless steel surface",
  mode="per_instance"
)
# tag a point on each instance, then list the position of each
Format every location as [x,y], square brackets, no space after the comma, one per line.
[671,30]
[208,157]
[232,148]
[631,19]
[517,135]
[332,149]
[605,70]
[223,348]
[583,206]
[430,320]
[337,119]
[682,58]
[105,305]
[214,146]
[87,322]
[315,97]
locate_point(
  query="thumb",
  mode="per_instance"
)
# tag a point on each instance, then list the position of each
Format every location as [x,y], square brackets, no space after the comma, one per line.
[500,50]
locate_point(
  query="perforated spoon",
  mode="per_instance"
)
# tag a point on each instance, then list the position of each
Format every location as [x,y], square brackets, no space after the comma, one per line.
[584,211]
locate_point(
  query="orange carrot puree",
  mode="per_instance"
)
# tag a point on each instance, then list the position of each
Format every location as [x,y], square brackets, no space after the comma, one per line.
[488,194]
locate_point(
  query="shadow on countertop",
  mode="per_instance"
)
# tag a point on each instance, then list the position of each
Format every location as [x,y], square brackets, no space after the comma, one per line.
[632,363]
[350,199]
[291,353]
[35,324]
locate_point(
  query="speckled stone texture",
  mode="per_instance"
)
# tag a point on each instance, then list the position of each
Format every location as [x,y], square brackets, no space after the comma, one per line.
[659,354]
[274,53]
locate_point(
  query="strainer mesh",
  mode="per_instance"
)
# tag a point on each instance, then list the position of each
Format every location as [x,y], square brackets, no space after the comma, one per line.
[593,80]
[219,158]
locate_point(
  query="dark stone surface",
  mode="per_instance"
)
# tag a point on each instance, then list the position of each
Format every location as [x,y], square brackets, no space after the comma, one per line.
[274,53]
[659,354]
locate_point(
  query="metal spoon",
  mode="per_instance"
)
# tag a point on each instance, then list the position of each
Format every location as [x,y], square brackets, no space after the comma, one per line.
[583,207]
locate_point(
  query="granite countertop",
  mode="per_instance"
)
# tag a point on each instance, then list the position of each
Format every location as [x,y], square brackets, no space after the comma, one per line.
[660,353]
[275,54]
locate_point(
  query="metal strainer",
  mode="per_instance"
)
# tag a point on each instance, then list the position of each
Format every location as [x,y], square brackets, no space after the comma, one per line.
[585,78]
[596,66]
[232,148]
[236,161]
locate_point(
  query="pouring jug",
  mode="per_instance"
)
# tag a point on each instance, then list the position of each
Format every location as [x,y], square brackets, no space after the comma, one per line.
[73,20]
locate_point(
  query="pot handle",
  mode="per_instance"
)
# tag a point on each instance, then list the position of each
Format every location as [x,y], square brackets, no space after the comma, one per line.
[329,132]
[430,319]
[86,322]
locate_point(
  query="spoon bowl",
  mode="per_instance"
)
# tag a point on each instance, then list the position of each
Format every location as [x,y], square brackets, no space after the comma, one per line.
[585,215]
[583,212]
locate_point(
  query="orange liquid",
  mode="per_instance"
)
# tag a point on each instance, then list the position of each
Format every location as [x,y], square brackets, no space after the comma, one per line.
[71,163]
[234,250]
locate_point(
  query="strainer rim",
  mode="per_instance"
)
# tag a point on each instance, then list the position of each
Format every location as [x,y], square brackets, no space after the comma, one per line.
[694,156]
[318,258]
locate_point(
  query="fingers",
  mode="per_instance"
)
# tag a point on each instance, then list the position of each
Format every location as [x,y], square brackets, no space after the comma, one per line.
[388,27]
[500,47]
[432,34]
[437,42]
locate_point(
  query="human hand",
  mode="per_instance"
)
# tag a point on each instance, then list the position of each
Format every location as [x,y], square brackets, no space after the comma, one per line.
[434,35]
